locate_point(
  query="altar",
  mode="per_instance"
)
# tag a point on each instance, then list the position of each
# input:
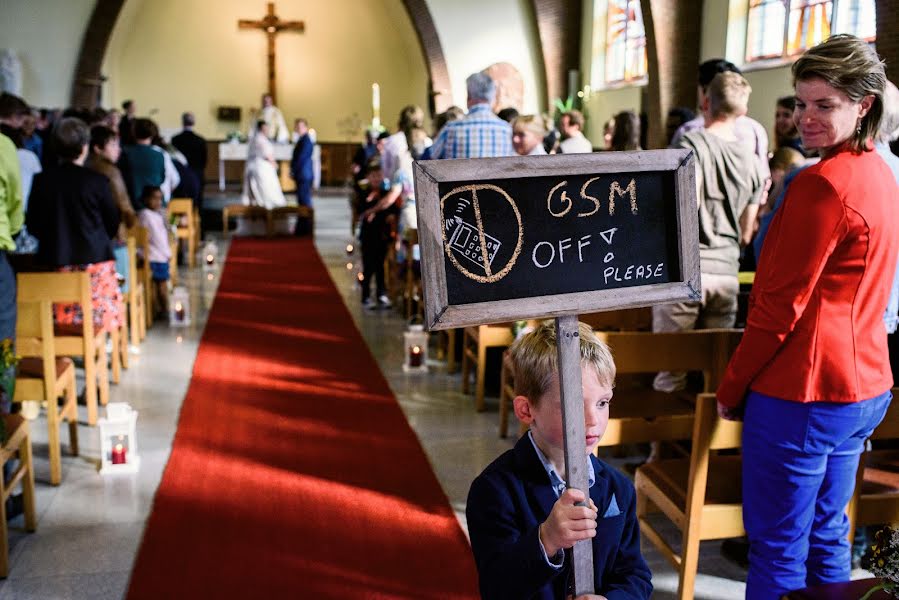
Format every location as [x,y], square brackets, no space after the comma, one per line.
[238,151]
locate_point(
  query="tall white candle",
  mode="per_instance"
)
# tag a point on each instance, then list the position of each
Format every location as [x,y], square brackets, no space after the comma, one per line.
[375,105]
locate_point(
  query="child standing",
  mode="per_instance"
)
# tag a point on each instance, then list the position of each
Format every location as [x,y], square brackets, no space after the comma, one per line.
[375,235]
[152,218]
[521,517]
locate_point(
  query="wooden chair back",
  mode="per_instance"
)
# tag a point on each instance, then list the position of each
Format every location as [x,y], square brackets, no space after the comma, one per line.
[34,337]
[185,227]
[17,444]
[875,500]
[627,319]
[645,415]
[142,245]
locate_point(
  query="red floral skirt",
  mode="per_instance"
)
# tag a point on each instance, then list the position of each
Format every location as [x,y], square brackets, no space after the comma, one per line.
[106,298]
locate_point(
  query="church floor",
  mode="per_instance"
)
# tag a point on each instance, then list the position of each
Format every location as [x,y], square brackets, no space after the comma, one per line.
[89,528]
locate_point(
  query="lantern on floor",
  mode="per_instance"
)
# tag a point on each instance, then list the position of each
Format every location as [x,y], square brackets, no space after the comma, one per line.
[415,340]
[179,307]
[210,255]
[118,439]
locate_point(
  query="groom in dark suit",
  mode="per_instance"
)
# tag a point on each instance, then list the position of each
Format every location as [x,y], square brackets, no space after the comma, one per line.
[302,172]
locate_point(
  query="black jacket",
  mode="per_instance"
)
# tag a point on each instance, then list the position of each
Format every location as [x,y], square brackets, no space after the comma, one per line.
[72,214]
[193,147]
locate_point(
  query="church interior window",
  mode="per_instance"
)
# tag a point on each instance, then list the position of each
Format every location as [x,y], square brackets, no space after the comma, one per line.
[786,28]
[625,42]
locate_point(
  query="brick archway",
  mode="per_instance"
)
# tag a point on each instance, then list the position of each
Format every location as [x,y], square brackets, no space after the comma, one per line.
[88,79]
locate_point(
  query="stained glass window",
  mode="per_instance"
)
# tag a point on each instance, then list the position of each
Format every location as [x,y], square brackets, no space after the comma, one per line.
[785,28]
[625,42]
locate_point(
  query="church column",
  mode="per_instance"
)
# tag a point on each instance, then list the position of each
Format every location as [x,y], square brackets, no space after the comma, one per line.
[440,93]
[88,79]
[559,26]
[673,35]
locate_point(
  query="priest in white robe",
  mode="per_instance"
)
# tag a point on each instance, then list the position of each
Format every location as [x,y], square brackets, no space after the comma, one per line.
[271,114]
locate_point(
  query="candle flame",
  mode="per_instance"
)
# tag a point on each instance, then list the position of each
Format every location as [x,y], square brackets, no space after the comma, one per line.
[119,447]
[349,248]
[416,349]
[349,266]
[178,306]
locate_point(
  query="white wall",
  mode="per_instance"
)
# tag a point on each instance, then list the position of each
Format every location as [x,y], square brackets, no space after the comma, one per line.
[171,55]
[478,33]
[46,35]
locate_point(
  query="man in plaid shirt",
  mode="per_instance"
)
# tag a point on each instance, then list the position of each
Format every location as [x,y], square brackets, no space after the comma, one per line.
[481,133]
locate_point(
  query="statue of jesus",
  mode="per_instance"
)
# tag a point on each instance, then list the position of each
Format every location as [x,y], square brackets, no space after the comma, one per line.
[271,114]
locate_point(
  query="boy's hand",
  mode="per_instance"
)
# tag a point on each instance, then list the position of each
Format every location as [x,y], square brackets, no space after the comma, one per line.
[568,523]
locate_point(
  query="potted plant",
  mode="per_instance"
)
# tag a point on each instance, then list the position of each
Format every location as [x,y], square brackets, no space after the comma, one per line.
[8,361]
[882,559]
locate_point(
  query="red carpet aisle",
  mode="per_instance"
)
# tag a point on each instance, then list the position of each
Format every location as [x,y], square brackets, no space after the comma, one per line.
[294,473]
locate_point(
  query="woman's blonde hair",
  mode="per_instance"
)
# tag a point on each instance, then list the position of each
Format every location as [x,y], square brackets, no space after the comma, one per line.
[535,359]
[536,124]
[848,64]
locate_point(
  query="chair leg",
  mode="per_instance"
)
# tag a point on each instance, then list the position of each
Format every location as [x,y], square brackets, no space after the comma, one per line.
[466,365]
[123,344]
[689,562]
[192,248]
[53,440]
[451,365]
[26,463]
[71,415]
[90,388]
[116,358]
[133,315]
[4,532]
[103,371]
[503,406]
[481,375]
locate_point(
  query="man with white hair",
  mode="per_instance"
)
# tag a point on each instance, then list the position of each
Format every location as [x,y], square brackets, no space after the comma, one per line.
[481,133]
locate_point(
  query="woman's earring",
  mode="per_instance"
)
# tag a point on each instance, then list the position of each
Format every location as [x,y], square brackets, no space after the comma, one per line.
[858,127]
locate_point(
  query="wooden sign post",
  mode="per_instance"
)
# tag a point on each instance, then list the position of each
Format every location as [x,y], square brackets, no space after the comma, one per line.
[528,237]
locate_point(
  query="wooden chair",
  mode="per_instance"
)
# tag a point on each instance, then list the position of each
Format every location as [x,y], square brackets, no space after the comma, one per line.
[144,274]
[43,377]
[136,300]
[74,340]
[18,443]
[701,495]
[182,209]
[475,342]
[876,497]
[173,258]
[119,355]
[644,415]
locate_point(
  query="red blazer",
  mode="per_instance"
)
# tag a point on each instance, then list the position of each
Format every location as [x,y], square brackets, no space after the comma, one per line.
[815,328]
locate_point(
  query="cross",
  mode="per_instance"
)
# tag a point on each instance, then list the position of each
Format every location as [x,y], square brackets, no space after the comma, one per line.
[272,26]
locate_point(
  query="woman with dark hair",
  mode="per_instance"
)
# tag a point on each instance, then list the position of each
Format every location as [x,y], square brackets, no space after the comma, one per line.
[812,375]
[626,131]
[73,215]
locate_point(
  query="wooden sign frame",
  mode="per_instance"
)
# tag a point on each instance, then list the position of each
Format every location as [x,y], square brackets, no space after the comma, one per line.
[439,314]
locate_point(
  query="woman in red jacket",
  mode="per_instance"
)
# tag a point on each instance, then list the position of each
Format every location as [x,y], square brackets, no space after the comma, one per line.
[812,374]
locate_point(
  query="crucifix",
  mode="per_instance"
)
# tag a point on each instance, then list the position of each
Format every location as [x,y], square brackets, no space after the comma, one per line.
[272,26]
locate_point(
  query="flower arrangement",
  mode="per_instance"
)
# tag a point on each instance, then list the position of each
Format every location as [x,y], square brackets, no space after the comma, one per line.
[882,559]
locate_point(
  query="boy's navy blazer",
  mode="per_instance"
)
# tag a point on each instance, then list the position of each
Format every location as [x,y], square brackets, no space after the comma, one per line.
[513,496]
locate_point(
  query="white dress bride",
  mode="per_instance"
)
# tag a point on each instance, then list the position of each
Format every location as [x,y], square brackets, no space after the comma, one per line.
[261,185]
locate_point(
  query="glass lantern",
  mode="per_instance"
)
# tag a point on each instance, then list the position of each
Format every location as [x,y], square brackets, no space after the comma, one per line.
[210,255]
[179,307]
[415,341]
[118,439]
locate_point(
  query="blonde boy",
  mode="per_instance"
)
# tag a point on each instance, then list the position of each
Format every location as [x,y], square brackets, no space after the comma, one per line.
[521,517]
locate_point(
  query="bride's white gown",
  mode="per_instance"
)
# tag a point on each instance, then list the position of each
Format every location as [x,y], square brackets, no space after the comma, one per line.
[261,185]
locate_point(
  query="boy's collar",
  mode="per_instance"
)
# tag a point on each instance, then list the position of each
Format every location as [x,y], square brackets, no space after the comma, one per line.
[555,478]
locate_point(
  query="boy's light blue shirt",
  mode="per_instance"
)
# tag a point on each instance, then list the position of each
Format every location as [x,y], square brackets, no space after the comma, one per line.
[891,317]
[558,485]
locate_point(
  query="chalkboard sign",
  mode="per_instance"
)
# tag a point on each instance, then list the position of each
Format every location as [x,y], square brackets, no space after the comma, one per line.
[539,236]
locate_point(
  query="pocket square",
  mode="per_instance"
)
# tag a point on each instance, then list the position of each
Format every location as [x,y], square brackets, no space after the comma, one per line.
[613,510]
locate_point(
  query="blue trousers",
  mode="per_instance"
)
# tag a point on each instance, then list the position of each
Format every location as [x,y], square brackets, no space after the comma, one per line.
[799,465]
[7,315]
